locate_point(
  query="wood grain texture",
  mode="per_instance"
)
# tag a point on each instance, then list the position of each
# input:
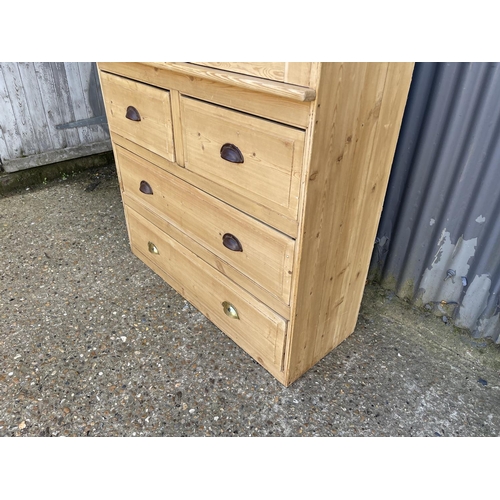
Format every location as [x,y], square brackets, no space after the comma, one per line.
[158,219]
[335,166]
[273,154]
[248,99]
[154,129]
[295,73]
[65,104]
[20,111]
[358,114]
[269,70]
[10,144]
[275,219]
[259,330]
[279,89]
[35,99]
[267,254]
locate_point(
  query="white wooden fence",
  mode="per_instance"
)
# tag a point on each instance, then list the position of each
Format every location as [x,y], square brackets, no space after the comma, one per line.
[50,112]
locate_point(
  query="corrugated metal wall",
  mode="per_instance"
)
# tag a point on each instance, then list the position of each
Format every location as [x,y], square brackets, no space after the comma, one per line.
[438,242]
[49,112]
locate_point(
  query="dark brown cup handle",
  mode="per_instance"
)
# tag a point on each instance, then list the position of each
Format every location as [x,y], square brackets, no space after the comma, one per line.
[231,153]
[145,188]
[133,114]
[232,243]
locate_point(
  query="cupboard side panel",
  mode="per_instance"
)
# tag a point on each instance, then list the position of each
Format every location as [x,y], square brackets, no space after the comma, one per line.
[358,115]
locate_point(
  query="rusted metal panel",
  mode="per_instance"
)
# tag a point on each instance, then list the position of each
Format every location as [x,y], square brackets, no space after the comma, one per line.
[37,101]
[438,242]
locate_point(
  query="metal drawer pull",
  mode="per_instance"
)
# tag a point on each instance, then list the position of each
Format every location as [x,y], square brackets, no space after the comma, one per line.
[145,188]
[230,310]
[230,152]
[232,243]
[152,248]
[133,114]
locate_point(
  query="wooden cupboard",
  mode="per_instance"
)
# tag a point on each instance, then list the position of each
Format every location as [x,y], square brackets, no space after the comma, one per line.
[255,191]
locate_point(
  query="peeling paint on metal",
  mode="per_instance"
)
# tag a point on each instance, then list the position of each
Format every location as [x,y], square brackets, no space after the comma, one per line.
[474,302]
[443,198]
[434,284]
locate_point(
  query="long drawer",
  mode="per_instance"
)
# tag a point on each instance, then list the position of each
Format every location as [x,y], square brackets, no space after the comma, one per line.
[139,112]
[258,251]
[255,158]
[251,324]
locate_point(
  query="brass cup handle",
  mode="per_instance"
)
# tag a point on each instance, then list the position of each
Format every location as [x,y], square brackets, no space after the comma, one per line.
[230,310]
[152,248]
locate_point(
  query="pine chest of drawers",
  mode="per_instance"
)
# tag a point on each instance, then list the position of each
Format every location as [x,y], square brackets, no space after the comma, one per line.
[255,190]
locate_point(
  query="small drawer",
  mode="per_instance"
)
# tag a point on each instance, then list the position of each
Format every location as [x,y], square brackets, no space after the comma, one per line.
[256,159]
[251,324]
[140,113]
[255,249]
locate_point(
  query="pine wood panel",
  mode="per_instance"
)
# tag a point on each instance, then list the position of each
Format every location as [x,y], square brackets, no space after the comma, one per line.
[279,89]
[326,189]
[273,154]
[154,129]
[286,225]
[253,99]
[296,73]
[302,73]
[158,219]
[267,255]
[268,70]
[259,330]
[358,114]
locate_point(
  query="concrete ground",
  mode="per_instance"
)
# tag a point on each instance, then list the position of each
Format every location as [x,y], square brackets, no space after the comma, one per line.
[93,343]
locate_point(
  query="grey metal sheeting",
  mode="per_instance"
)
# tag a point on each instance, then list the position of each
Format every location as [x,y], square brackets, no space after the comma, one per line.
[438,242]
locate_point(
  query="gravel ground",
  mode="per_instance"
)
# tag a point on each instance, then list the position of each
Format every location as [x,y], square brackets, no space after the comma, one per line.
[93,343]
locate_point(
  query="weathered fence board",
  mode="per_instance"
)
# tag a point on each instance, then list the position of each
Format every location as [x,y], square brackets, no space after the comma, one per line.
[50,112]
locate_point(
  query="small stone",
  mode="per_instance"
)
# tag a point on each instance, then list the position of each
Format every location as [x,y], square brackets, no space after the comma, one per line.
[124,339]
[482,381]
[192,410]
[22,425]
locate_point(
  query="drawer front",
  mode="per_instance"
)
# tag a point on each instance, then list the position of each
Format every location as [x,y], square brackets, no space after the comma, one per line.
[140,113]
[253,326]
[258,251]
[255,158]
